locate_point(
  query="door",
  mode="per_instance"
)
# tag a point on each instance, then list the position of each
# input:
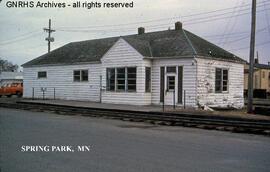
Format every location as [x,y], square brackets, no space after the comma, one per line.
[170,95]
[171,85]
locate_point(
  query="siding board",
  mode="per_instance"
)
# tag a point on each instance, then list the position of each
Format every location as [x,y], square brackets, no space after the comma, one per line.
[206,84]
[61,78]
[123,55]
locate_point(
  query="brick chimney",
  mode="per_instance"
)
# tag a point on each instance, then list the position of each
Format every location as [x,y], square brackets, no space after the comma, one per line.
[178,26]
[141,30]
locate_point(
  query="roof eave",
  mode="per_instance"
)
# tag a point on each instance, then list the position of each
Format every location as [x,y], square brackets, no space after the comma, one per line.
[61,64]
[169,57]
[221,59]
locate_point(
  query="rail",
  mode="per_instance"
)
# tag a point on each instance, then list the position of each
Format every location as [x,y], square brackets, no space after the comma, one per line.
[172,119]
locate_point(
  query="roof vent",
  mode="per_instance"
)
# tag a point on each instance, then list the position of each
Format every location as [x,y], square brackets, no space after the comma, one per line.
[141,30]
[178,26]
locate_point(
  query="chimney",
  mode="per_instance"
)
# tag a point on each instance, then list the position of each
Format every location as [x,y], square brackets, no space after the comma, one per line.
[256,61]
[178,26]
[141,30]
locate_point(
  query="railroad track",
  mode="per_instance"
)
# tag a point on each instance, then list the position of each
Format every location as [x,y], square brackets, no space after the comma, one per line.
[172,119]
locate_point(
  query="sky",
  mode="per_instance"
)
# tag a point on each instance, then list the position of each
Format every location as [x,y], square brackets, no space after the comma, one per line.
[225,23]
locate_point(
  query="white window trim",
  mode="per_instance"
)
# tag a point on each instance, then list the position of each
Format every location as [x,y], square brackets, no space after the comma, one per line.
[42,77]
[228,81]
[81,81]
[126,80]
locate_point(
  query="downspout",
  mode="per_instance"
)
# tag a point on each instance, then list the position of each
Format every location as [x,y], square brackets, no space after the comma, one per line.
[196,68]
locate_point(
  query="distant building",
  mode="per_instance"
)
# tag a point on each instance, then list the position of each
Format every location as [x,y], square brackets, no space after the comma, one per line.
[175,66]
[9,77]
[261,79]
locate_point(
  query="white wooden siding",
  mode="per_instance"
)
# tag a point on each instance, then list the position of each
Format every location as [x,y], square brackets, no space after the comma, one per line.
[124,55]
[189,80]
[61,78]
[206,84]
[198,80]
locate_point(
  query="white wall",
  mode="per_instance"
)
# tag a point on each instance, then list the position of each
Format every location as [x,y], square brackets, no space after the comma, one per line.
[206,84]
[189,80]
[61,78]
[124,55]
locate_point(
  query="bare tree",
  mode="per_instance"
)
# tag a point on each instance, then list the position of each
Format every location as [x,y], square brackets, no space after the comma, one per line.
[7,66]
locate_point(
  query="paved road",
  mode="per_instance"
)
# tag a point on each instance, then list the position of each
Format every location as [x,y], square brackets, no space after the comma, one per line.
[118,146]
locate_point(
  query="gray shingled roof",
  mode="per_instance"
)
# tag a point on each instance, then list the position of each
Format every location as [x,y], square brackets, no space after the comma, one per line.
[262,66]
[169,43]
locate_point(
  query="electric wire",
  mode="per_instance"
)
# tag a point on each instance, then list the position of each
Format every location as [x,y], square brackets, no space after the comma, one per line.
[162,19]
[234,21]
[156,26]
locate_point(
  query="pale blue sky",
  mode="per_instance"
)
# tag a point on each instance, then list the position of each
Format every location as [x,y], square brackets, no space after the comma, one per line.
[22,37]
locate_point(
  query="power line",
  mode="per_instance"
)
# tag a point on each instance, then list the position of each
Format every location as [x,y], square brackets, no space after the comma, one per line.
[19,40]
[267,18]
[247,36]
[233,25]
[228,34]
[256,45]
[162,19]
[23,46]
[204,21]
[227,25]
[151,26]
[23,35]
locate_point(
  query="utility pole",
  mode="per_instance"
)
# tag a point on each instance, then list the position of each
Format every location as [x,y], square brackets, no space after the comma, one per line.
[251,58]
[49,38]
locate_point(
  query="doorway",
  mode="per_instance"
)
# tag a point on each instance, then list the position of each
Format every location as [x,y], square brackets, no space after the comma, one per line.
[171,84]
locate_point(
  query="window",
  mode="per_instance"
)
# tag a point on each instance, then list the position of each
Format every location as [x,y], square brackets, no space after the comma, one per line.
[42,74]
[171,69]
[80,75]
[121,79]
[131,79]
[84,75]
[225,80]
[263,74]
[111,79]
[77,75]
[221,83]
[171,83]
[147,79]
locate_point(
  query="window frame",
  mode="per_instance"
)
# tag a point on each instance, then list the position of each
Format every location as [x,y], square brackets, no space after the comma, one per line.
[80,75]
[130,79]
[120,79]
[108,81]
[222,80]
[43,77]
[116,79]
[171,72]
[148,79]
[168,83]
